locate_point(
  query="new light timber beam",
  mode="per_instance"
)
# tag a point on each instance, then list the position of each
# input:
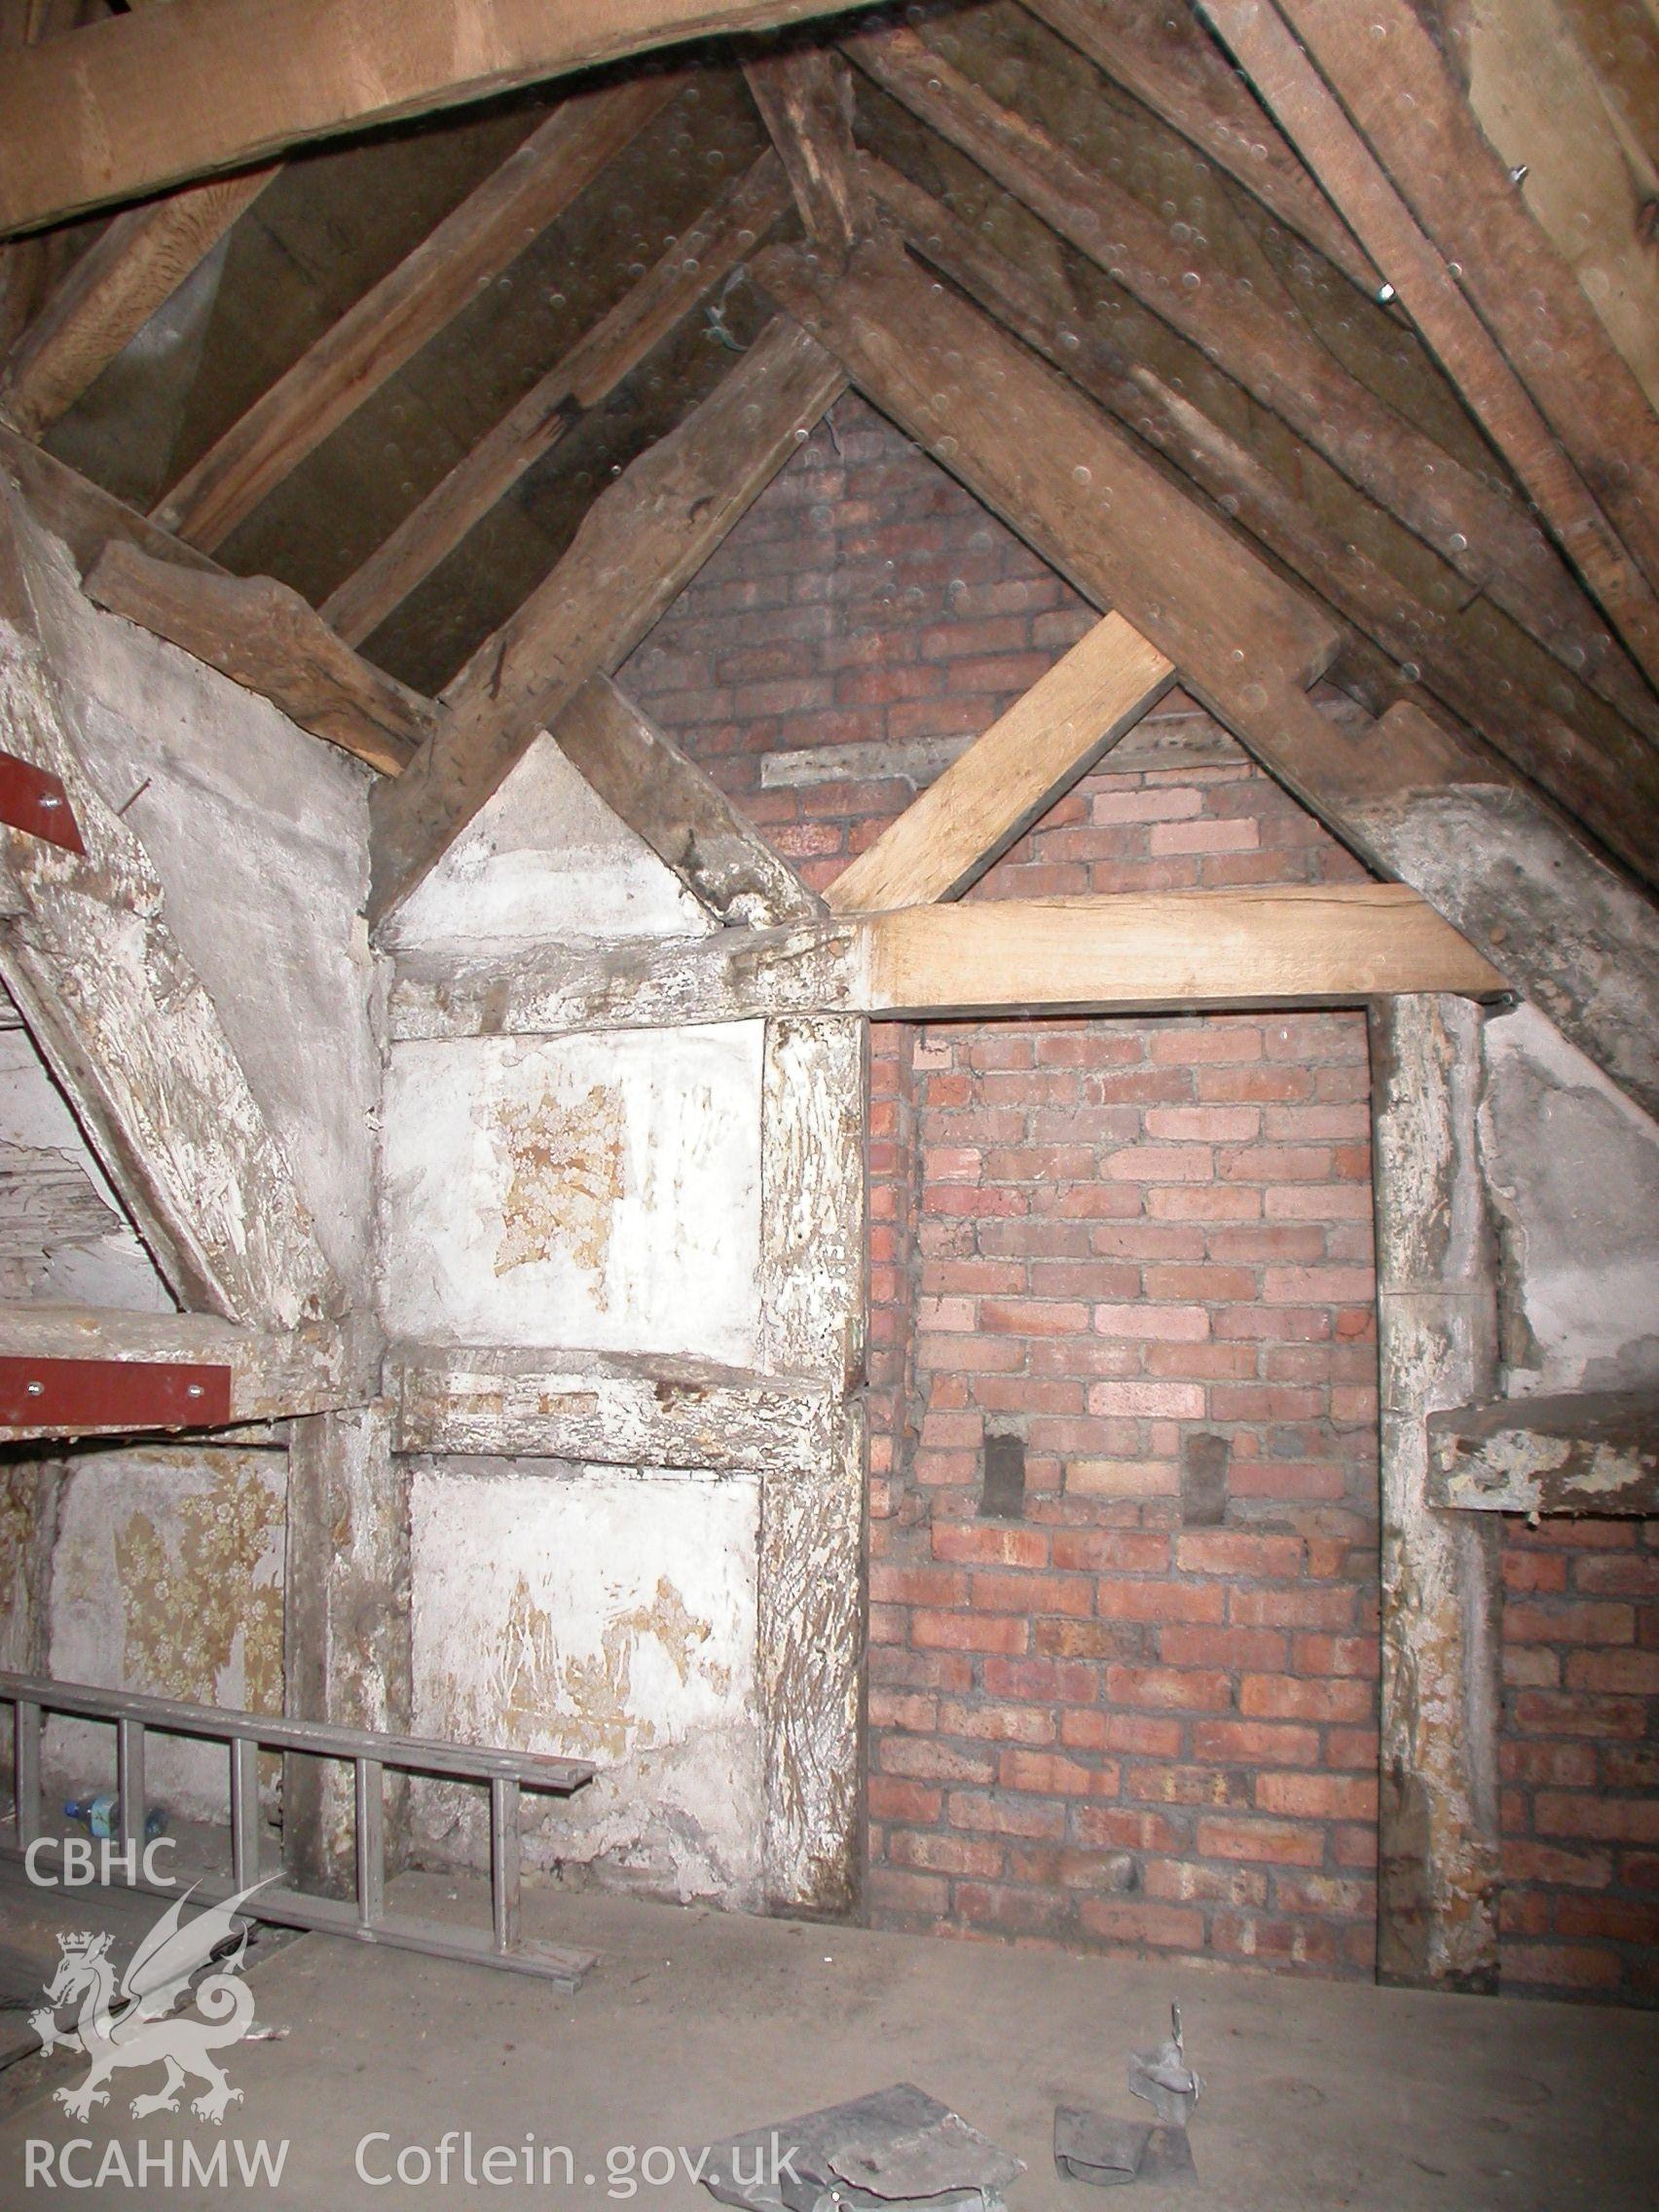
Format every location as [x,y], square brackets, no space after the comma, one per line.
[1437,302]
[318,1367]
[1262,343]
[1212,949]
[143,101]
[805,97]
[698,259]
[1612,789]
[679,811]
[392,320]
[1595,1452]
[640,543]
[1384,67]
[1009,777]
[1162,55]
[105,298]
[265,637]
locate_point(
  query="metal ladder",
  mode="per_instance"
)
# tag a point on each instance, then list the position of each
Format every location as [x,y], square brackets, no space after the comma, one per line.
[363,1916]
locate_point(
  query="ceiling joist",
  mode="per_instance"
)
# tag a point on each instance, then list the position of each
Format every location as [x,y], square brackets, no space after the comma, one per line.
[1132,952]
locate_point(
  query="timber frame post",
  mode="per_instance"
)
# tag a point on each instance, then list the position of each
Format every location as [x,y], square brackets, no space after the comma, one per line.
[810,1654]
[346,1630]
[1437,1343]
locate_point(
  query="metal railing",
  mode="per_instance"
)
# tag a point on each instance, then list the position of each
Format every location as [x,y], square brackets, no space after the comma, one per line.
[246,1735]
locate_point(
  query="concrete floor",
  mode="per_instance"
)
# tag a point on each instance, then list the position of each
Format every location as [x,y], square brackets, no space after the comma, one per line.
[697,2024]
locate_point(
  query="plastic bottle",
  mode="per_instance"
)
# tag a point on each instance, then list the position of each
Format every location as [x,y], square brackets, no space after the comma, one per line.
[101,1815]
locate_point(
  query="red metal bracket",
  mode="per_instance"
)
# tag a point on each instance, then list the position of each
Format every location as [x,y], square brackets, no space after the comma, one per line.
[76,1396]
[31,798]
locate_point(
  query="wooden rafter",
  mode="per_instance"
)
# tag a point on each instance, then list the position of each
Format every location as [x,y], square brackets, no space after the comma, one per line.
[1406,794]
[264,636]
[1498,397]
[107,296]
[1394,84]
[1010,776]
[391,323]
[698,260]
[679,811]
[83,515]
[1159,52]
[805,97]
[1587,178]
[1612,791]
[1129,953]
[641,540]
[1043,458]
[130,106]
[1263,345]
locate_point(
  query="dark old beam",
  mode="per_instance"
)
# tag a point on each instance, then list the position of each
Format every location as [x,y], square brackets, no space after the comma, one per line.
[1590,1451]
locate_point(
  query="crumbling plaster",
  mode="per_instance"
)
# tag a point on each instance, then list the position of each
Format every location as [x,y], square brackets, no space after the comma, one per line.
[603,1613]
[1571,1168]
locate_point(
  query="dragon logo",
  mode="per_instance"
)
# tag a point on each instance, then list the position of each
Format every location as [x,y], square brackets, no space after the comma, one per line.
[130,2026]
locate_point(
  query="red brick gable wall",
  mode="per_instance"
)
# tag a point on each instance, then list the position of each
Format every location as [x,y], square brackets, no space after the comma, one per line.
[1141,1711]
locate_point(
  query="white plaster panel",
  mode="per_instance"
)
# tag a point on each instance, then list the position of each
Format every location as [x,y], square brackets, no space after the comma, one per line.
[166,1577]
[601,1613]
[1572,1169]
[259,834]
[599,1191]
[546,860]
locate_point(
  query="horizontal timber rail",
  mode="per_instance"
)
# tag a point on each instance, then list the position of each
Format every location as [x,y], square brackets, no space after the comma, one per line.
[246,1735]
[1338,946]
